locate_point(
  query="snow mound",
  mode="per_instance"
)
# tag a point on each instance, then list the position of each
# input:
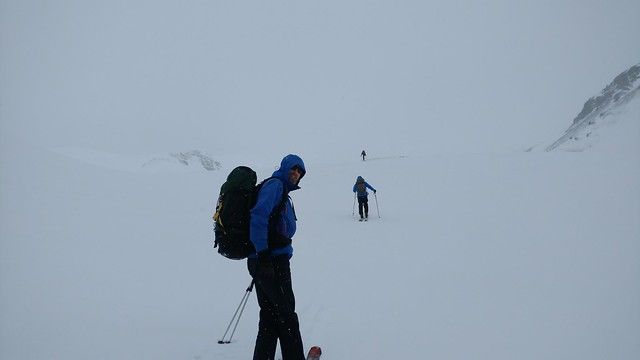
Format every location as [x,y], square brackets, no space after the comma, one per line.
[190,158]
[179,161]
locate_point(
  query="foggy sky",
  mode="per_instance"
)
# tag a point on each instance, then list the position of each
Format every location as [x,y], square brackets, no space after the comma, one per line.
[289,75]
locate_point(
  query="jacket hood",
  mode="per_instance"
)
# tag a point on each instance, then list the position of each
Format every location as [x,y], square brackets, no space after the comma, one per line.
[360,179]
[287,163]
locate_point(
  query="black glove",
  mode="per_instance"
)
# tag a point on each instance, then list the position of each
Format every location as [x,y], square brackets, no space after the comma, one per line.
[374,191]
[264,267]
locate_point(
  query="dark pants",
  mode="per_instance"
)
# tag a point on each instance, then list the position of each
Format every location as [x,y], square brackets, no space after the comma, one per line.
[363,203]
[278,319]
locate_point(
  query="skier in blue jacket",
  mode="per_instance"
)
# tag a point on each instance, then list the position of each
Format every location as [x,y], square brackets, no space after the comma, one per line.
[360,188]
[273,224]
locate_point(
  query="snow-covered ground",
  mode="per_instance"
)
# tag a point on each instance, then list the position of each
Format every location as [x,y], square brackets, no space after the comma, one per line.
[474,256]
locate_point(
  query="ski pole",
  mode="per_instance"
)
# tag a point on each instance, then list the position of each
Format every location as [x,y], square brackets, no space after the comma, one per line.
[353,208]
[242,304]
[377,208]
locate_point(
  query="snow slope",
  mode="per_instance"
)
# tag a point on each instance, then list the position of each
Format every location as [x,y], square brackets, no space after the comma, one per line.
[474,256]
[618,102]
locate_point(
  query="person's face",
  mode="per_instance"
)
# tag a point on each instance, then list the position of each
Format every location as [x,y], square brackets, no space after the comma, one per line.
[294,175]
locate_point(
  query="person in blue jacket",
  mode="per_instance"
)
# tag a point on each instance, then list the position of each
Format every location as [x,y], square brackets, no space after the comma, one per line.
[360,188]
[272,226]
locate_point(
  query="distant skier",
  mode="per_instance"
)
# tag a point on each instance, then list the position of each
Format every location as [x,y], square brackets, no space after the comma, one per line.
[360,188]
[363,154]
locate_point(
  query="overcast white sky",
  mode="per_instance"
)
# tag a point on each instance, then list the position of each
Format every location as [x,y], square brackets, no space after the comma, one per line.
[148,76]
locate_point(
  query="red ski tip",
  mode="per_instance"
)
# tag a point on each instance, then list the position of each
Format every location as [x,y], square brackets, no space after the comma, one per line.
[314,353]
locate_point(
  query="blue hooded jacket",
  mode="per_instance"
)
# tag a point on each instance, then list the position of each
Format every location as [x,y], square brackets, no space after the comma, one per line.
[269,198]
[362,193]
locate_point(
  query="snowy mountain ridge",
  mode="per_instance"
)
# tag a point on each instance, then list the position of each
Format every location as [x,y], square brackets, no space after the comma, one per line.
[176,161]
[188,158]
[600,111]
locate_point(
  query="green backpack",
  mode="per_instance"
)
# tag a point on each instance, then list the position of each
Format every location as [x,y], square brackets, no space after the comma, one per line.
[238,195]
